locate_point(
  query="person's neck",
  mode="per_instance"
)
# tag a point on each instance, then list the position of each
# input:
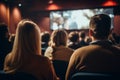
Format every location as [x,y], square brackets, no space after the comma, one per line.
[95,39]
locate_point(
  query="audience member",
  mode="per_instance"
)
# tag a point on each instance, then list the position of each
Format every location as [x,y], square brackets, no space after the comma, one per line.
[58,49]
[45,40]
[5,45]
[26,53]
[73,40]
[101,55]
[82,42]
[59,53]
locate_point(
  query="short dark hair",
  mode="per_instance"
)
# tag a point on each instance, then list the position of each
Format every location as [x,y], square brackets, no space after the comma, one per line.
[73,36]
[100,24]
[82,34]
[45,36]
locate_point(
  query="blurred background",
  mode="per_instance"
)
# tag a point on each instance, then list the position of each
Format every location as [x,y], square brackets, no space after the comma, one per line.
[41,11]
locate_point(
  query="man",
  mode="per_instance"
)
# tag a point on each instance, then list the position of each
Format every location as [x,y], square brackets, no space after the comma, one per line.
[100,56]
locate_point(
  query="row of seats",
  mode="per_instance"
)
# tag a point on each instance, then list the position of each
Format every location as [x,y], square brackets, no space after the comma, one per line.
[95,76]
[16,76]
[61,67]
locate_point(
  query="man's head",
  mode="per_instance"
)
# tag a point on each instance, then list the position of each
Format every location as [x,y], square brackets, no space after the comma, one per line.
[100,25]
[82,35]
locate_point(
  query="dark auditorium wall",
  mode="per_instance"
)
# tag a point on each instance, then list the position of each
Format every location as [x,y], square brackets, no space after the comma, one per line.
[40,17]
[11,13]
[4,13]
[117,20]
[15,17]
[11,17]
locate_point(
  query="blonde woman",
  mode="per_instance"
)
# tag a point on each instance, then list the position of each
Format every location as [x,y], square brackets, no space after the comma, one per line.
[59,53]
[26,53]
[58,49]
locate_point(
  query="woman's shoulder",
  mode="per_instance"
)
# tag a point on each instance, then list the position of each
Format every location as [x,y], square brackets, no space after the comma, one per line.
[68,49]
[64,49]
[41,57]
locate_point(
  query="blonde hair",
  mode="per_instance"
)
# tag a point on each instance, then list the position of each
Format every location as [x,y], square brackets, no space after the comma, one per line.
[59,37]
[27,42]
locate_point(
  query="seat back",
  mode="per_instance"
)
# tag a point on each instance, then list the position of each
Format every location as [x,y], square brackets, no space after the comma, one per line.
[16,76]
[60,68]
[95,76]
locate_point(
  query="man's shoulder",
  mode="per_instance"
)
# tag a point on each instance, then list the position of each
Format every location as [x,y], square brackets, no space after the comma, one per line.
[89,47]
[86,49]
[96,49]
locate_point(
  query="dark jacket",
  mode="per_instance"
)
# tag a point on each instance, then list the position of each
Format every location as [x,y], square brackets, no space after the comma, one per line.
[100,56]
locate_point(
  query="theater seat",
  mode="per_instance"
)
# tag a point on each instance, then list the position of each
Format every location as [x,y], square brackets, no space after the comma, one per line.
[16,76]
[60,68]
[95,76]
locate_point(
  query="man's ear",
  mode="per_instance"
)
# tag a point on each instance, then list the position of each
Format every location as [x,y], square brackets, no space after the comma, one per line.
[91,33]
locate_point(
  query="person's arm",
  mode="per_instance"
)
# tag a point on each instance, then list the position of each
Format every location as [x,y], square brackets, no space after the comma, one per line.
[48,53]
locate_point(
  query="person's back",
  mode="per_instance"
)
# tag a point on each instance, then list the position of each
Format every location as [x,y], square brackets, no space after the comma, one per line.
[103,58]
[62,53]
[37,66]
[26,53]
[59,53]
[100,56]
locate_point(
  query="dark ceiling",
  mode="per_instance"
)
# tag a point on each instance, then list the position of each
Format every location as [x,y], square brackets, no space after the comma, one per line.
[37,5]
